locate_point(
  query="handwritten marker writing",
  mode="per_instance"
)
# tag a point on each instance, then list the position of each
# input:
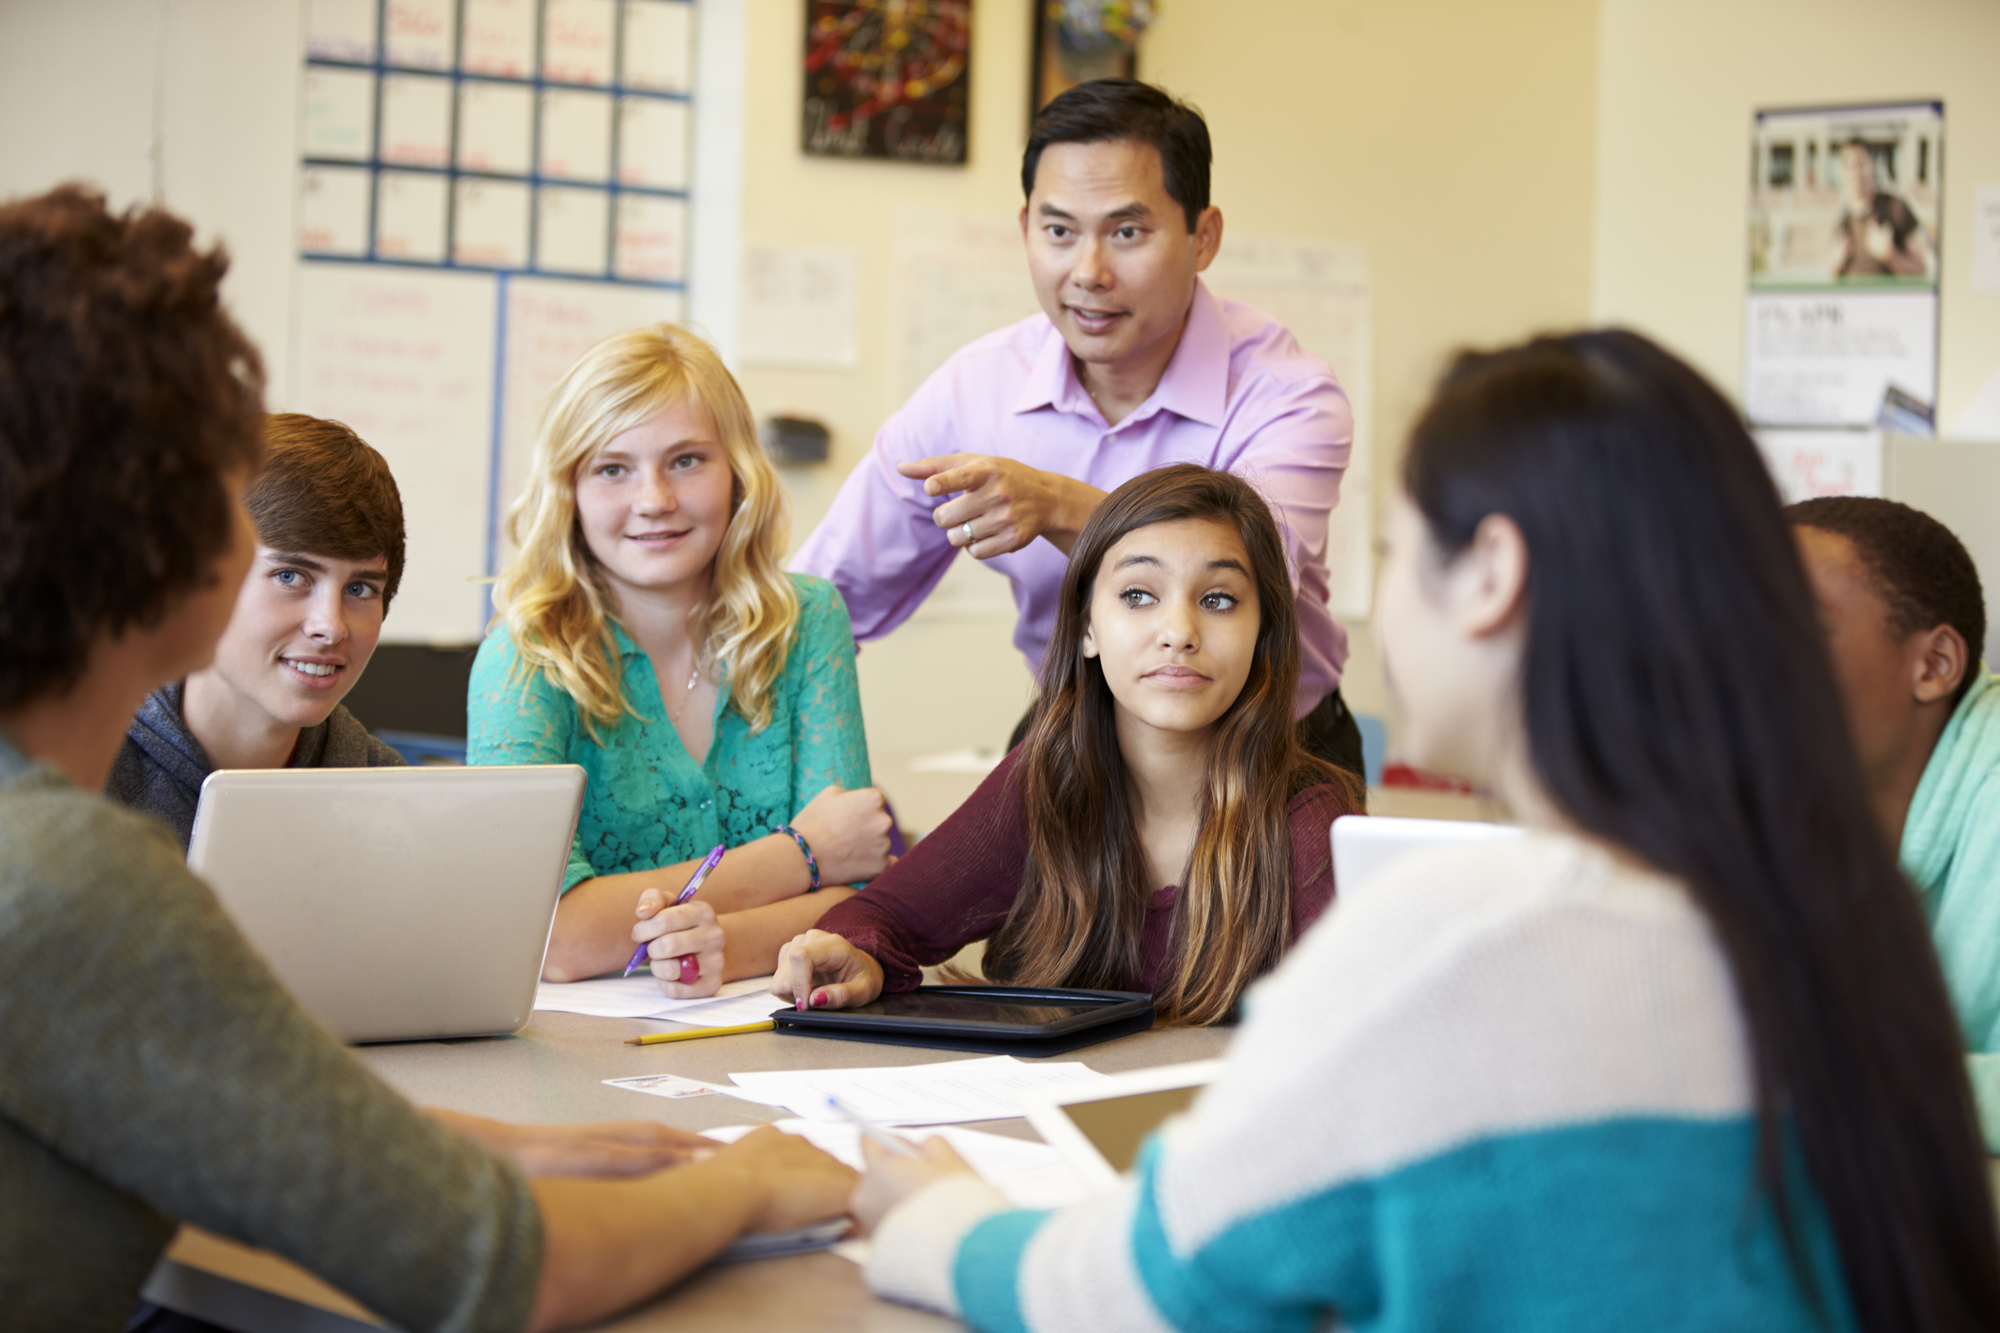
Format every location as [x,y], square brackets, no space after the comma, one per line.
[690,966]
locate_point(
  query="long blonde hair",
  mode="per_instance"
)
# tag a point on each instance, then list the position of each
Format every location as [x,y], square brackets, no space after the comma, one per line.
[552,595]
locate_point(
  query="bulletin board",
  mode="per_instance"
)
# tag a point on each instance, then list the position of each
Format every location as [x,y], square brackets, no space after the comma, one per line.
[486,188]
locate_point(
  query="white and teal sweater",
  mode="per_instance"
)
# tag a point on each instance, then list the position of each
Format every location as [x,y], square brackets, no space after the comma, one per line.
[1501,1087]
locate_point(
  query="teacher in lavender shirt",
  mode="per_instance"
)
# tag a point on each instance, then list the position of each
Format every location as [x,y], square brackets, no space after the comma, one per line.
[1133,364]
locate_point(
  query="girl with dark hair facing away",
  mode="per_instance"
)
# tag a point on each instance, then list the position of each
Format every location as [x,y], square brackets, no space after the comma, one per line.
[1679,1058]
[1160,828]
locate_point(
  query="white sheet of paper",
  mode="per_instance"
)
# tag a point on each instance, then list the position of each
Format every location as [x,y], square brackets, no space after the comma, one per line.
[416,120]
[948,1092]
[576,135]
[496,127]
[1030,1173]
[576,41]
[419,34]
[798,306]
[491,224]
[658,39]
[333,211]
[1979,419]
[653,143]
[572,230]
[410,216]
[652,238]
[638,996]
[1986,239]
[342,30]
[339,119]
[499,38]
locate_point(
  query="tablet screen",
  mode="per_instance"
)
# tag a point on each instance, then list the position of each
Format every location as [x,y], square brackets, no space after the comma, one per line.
[996,1012]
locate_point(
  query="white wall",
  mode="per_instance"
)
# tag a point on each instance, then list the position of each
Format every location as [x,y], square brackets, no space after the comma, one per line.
[1677,85]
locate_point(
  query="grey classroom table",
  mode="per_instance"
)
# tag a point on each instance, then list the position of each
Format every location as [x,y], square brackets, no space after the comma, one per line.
[551,1073]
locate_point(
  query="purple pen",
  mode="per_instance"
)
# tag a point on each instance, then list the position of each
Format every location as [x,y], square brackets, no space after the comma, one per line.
[708,863]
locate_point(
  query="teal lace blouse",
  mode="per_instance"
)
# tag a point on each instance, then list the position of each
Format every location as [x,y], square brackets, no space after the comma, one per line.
[647,802]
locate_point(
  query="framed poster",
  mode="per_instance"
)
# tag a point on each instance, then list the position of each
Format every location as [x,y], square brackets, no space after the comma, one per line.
[888,80]
[1076,41]
[1841,321]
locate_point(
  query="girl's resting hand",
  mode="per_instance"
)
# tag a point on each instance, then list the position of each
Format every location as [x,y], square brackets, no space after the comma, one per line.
[796,1182]
[818,970]
[687,931]
[848,831]
[893,1178]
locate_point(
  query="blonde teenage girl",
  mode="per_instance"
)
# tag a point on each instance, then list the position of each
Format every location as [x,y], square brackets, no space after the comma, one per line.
[647,632]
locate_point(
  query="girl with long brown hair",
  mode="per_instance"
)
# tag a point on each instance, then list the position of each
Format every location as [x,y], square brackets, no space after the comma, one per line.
[1160,827]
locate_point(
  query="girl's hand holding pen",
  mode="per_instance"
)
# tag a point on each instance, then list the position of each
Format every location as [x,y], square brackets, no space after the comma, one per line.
[894,1177]
[687,932]
[819,970]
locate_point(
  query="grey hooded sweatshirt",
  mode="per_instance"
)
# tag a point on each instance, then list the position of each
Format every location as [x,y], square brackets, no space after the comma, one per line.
[160,768]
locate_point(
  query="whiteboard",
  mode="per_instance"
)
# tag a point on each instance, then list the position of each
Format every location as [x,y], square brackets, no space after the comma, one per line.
[405,357]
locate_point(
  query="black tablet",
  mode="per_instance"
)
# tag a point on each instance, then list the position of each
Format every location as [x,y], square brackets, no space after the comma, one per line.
[1022,1020]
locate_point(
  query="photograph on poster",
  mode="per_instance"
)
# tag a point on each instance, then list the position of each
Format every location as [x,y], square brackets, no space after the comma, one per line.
[1841,318]
[1080,40]
[1847,196]
[887,81]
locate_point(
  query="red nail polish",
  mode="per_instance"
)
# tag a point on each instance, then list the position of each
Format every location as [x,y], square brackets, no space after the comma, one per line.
[818,998]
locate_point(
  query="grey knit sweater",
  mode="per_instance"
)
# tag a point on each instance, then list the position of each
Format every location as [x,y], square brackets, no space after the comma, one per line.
[160,768]
[153,1071]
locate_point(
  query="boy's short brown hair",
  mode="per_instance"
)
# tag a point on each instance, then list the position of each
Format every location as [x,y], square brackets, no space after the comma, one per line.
[127,398]
[325,491]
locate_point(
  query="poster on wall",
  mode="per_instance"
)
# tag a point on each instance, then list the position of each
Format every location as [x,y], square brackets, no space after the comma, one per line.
[1841,322]
[888,80]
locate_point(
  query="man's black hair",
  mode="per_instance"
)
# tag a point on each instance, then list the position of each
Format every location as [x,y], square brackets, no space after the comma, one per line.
[1104,110]
[1922,571]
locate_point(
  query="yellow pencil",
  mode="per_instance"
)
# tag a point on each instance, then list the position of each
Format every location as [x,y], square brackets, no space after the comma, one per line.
[651,1037]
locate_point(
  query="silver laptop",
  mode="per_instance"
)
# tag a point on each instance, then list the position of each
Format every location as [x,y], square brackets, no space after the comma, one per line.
[1365,845]
[396,903]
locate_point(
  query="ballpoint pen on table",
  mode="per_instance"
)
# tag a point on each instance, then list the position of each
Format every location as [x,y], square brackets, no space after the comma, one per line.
[870,1130]
[690,967]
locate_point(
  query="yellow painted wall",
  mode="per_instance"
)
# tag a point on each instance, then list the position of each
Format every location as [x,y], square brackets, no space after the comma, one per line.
[1678,85]
[1453,138]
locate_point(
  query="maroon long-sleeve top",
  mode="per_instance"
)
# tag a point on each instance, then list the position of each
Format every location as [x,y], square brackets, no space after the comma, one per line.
[959,883]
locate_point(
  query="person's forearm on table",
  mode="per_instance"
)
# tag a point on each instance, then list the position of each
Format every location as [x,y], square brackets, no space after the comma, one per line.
[752,939]
[593,925]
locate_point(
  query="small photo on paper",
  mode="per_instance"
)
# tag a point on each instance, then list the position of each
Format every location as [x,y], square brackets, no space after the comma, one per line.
[490,224]
[342,30]
[496,127]
[577,41]
[416,120]
[498,38]
[651,243]
[659,41]
[333,211]
[572,230]
[410,210]
[1846,197]
[576,135]
[653,143]
[419,34]
[663,1085]
[339,119]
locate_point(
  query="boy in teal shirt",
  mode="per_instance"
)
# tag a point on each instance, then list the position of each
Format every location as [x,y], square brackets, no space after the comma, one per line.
[1904,614]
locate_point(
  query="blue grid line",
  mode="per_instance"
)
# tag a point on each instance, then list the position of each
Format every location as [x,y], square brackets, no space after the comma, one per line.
[655,284]
[536,81]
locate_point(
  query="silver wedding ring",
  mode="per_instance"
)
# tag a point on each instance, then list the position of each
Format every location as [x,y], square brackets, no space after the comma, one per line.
[966,530]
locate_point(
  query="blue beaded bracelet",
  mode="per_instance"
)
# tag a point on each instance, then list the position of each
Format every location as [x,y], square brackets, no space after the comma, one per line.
[805,848]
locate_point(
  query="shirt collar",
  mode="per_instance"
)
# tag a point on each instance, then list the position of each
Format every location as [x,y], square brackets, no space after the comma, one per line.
[1195,385]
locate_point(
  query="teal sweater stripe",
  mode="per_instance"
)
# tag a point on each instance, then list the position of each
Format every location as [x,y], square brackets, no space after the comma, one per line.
[983,1273]
[1573,1228]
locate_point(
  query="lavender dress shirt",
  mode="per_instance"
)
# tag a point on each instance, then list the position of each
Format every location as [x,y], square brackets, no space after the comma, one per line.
[1239,394]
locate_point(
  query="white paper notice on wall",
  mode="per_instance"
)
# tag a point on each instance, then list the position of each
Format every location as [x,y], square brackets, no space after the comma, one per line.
[1825,359]
[1807,464]
[797,307]
[550,323]
[1319,290]
[405,357]
[958,276]
[1985,239]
